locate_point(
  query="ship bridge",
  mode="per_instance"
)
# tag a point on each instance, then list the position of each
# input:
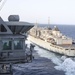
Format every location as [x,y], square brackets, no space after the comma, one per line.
[12,38]
[14,26]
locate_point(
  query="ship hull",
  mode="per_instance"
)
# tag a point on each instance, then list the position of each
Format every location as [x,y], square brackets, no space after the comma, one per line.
[51,47]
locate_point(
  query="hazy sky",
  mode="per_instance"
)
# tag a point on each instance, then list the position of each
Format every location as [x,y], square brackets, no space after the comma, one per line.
[59,11]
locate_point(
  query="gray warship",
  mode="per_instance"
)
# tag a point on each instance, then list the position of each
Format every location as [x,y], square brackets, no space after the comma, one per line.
[12,43]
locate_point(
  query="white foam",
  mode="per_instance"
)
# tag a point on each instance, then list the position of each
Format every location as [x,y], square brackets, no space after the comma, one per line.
[68,66]
[63,58]
[63,63]
[49,55]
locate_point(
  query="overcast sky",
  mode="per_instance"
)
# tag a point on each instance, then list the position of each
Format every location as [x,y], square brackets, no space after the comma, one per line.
[59,11]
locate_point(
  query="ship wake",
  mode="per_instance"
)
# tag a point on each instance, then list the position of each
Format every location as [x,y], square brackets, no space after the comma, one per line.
[62,63]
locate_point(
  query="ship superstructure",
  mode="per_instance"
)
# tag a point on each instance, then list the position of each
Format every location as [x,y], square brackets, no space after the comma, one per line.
[12,42]
[53,40]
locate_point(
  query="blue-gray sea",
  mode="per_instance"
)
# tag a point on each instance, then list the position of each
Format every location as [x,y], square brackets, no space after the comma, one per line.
[44,61]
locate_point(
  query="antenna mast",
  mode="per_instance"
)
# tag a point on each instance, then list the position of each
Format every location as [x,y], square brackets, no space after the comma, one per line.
[2,4]
[36,23]
[48,20]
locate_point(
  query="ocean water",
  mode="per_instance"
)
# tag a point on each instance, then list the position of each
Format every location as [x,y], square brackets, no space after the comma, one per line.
[40,66]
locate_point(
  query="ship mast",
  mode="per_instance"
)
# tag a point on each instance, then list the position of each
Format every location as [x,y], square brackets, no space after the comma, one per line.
[48,22]
[2,4]
[36,24]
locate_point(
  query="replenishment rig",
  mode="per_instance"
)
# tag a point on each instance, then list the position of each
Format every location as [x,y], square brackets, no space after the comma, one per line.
[12,43]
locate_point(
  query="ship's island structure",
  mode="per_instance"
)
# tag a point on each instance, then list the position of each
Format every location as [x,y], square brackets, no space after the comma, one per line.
[52,40]
[13,48]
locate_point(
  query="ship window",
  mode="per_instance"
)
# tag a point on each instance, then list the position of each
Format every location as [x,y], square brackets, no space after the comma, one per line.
[2,28]
[18,44]
[7,45]
[72,49]
[66,49]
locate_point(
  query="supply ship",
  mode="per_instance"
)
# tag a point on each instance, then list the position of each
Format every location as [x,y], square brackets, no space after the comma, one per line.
[52,40]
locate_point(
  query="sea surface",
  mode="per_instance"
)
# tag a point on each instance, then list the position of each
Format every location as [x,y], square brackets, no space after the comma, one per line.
[46,62]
